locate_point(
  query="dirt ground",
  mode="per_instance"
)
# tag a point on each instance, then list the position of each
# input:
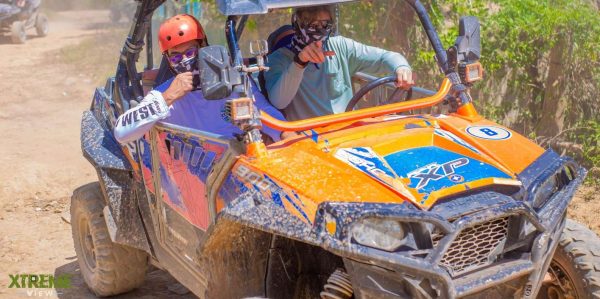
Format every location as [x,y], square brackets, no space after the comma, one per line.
[41,101]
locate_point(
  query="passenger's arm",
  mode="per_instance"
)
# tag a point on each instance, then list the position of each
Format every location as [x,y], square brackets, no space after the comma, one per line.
[363,58]
[135,122]
[262,104]
[282,81]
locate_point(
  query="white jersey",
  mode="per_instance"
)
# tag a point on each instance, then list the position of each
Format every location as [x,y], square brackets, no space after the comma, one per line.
[192,111]
[135,122]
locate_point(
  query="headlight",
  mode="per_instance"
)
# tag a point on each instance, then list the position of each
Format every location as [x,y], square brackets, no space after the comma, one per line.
[378,233]
[544,191]
[553,184]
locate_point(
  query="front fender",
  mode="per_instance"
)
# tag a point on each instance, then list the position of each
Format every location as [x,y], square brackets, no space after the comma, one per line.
[115,174]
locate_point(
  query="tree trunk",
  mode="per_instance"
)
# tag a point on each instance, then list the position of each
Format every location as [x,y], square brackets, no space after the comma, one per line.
[554,105]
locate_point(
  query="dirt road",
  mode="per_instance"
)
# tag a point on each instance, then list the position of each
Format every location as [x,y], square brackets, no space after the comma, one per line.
[41,101]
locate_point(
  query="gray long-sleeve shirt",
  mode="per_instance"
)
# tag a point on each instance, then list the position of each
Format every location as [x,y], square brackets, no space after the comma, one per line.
[308,92]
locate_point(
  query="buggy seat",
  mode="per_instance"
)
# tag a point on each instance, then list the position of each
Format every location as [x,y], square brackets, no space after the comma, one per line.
[155,77]
[280,38]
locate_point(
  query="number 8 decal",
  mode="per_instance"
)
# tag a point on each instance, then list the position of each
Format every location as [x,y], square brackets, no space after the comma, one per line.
[489,132]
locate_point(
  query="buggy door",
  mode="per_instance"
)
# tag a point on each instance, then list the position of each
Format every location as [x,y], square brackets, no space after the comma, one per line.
[187,168]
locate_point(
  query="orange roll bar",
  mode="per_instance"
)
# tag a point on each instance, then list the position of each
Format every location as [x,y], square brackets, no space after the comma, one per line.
[326,120]
[467,110]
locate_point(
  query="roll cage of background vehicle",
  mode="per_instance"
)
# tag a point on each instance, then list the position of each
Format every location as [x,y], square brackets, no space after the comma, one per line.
[455,63]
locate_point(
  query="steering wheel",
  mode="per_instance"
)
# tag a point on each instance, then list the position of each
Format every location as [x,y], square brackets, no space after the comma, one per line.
[372,85]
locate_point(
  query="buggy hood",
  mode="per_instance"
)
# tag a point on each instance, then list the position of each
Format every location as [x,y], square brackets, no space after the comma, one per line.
[394,159]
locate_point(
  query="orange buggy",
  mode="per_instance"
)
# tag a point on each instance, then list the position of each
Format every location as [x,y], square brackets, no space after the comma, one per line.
[370,203]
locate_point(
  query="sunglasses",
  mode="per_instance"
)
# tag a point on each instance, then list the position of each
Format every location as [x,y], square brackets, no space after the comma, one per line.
[324,24]
[178,57]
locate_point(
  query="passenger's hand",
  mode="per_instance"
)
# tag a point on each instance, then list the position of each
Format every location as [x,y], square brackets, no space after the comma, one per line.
[404,78]
[181,85]
[312,53]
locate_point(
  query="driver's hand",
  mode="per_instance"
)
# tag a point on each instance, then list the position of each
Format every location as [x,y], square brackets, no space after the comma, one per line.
[181,85]
[404,78]
[312,53]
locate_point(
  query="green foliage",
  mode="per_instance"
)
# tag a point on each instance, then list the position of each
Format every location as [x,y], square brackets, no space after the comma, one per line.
[518,40]
[516,33]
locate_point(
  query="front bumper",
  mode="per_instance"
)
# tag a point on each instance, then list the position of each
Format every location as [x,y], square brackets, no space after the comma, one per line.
[516,273]
[512,278]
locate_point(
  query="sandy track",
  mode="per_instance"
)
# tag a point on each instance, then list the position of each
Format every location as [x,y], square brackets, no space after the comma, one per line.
[41,101]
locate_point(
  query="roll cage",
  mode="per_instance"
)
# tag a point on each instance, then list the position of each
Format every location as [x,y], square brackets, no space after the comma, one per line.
[128,87]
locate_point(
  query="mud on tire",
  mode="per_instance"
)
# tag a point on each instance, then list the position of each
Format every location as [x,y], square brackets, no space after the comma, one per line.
[107,268]
[576,264]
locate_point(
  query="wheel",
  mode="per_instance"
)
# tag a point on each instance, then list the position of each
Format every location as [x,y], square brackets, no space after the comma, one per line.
[41,25]
[107,268]
[18,34]
[574,272]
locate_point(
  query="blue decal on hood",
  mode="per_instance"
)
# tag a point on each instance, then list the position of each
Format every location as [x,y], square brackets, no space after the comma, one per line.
[366,160]
[313,135]
[369,162]
[432,168]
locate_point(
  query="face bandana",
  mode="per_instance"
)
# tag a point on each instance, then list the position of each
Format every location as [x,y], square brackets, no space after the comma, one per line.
[188,64]
[305,35]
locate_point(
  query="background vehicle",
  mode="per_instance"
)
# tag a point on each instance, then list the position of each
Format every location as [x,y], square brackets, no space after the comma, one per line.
[370,203]
[16,16]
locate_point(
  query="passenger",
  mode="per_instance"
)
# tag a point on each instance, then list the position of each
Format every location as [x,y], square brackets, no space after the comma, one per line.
[174,102]
[304,82]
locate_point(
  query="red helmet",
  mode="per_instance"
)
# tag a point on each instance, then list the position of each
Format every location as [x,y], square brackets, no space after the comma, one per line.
[178,30]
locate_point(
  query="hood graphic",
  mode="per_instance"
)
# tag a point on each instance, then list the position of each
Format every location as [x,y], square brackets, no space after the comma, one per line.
[367,161]
[419,173]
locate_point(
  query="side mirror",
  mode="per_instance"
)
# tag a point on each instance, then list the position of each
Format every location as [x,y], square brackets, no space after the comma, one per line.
[217,76]
[468,43]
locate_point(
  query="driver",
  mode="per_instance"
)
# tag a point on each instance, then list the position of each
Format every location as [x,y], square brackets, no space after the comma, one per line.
[312,75]
[174,102]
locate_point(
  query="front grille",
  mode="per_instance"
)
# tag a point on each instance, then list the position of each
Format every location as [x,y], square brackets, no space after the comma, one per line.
[473,246]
